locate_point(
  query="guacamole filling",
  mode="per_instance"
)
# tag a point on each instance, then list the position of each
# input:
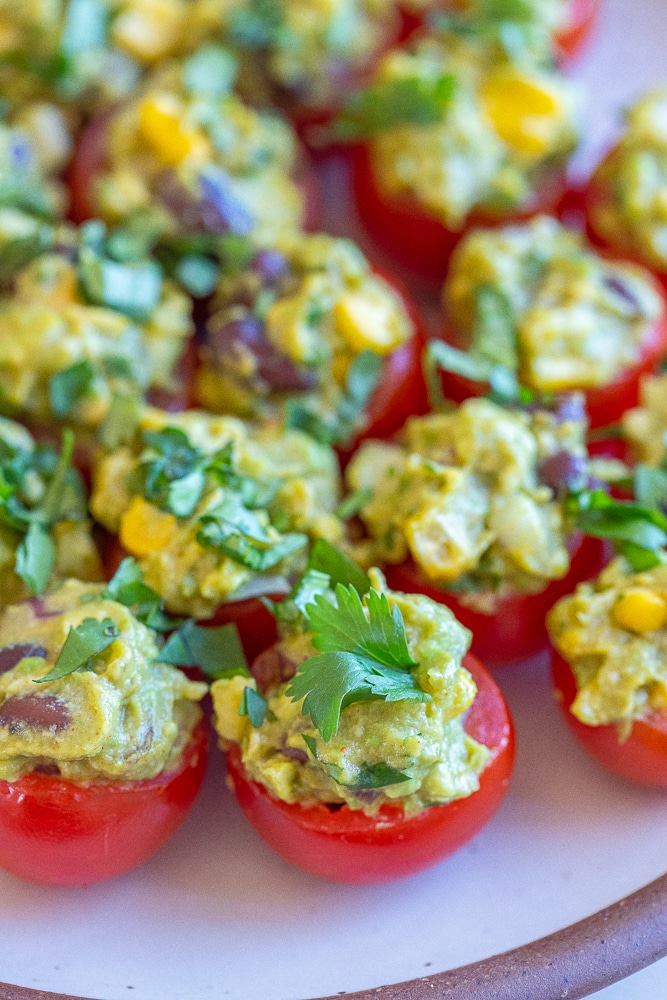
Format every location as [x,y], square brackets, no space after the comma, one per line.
[306,51]
[613,633]
[407,747]
[537,300]
[213,509]
[187,158]
[645,426]
[83,693]
[456,125]
[629,209]
[44,528]
[473,496]
[296,330]
[79,326]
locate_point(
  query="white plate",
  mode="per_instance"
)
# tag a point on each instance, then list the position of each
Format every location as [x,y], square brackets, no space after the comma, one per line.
[216,914]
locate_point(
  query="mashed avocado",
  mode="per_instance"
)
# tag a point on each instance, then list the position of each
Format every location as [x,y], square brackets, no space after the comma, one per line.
[491,130]
[463,497]
[208,504]
[291,326]
[613,633]
[44,528]
[629,210]
[536,299]
[78,327]
[122,716]
[645,426]
[422,740]
[187,156]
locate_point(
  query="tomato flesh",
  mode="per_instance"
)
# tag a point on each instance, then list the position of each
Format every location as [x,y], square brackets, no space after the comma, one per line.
[642,758]
[348,846]
[517,630]
[415,238]
[605,404]
[55,832]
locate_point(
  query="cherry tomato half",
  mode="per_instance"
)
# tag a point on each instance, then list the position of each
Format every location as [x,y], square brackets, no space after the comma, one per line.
[582,15]
[348,846]
[641,758]
[409,234]
[605,404]
[55,832]
[517,629]
[90,160]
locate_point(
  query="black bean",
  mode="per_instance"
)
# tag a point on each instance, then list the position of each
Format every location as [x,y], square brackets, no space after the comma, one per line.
[246,334]
[562,471]
[272,667]
[11,655]
[623,291]
[34,711]
[271,266]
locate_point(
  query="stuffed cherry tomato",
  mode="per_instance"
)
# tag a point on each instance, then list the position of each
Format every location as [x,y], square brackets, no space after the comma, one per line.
[351,793]
[537,300]
[448,148]
[102,745]
[624,198]
[312,334]
[608,669]
[186,188]
[469,509]
[216,512]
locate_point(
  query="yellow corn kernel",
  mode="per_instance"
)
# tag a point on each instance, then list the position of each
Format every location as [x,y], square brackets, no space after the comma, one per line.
[150,29]
[640,610]
[162,127]
[524,112]
[145,529]
[365,322]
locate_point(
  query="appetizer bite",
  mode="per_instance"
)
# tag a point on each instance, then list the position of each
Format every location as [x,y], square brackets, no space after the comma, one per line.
[102,745]
[457,133]
[311,333]
[366,745]
[45,532]
[186,157]
[537,300]
[469,509]
[626,206]
[609,672]
[82,321]
[215,511]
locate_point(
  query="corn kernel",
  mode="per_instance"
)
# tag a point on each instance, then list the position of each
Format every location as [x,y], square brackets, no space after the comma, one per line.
[640,610]
[161,125]
[366,322]
[523,111]
[150,30]
[145,529]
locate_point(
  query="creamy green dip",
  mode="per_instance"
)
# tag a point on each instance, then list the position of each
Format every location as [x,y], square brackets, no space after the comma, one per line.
[123,716]
[292,325]
[187,156]
[613,633]
[423,740]
[461,496]
[491,132]
[629,207]
[537,299]
[212,506]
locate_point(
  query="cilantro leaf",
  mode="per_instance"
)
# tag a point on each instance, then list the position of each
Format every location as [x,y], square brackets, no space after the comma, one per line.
[216,651]
[68,387]
[173,471]
[353,503]
[132,289]
[330,682]
[391,103]
[254,705]
[369,776]
[494,334]
[236,532]
[127,587]
[345,627]
[120,424]
[326,558]
[82,643]
[35,557]
[638,532]
[650,487]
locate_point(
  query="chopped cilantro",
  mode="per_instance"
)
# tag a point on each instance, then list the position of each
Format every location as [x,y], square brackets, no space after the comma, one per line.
[82,643]
[216,651]
[69,387]
[254,706]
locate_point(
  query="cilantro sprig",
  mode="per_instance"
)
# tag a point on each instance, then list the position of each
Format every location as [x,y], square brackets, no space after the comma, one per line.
[364,656]
[83,642]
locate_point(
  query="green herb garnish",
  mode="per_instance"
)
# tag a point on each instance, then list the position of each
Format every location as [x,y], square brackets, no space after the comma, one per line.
[82,643]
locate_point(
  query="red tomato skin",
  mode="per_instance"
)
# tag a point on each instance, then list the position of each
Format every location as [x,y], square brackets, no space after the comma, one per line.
[642,758]
[412,236]
[345,845]
[54,832]
[583,15]
[90,159]
[517,630]
[604,404]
